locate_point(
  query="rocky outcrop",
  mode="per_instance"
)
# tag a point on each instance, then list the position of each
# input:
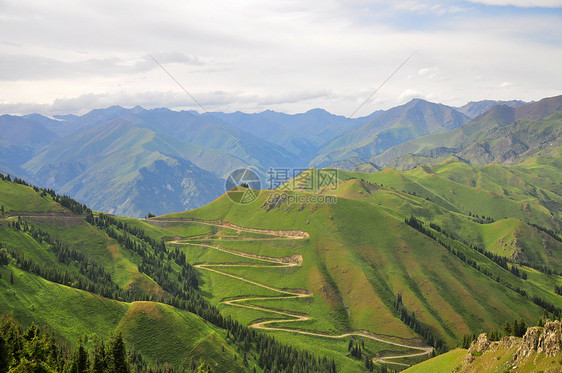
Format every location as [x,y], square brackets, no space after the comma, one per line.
[530,343]
[508,342]
[550,342]
[478,346]
[547,340]
[537,344]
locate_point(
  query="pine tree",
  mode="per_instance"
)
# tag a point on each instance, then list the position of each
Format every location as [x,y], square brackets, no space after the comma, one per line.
[507,329]
[521,328]
[3,355]
[541,322]
[80,363]
[99,365]
[117,355]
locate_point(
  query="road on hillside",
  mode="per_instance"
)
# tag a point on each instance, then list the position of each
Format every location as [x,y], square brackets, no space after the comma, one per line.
[291,261]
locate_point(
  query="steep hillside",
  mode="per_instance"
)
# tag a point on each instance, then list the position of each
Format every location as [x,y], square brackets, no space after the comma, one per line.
[73,313]
[502,134]
[88,274]
[366,266]
[390,128]
[31,299]
[135,166]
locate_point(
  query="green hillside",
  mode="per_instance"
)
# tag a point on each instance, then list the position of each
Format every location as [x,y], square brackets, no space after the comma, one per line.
[358,255]
[365,269]
[32,299]
[85,275]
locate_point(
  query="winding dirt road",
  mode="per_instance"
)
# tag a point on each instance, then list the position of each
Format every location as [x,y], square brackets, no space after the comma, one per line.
[292,261]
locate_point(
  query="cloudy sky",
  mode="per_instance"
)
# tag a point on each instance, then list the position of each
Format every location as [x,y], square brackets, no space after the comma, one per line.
[70,57]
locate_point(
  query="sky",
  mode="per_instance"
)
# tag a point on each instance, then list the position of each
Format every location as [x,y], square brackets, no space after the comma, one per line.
[66,56]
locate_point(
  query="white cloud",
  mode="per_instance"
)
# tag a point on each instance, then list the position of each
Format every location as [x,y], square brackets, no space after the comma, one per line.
[522,3]
[409,94]
[428,7]
[430,72]
[256,55]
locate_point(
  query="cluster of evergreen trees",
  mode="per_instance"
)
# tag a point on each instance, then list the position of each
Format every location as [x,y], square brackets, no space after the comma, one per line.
[468,338]
[481,219]
[355,350]
[516,328]
[157,261]
[409,318]
[95,279]
[501,261]
[550,232]
[37,350]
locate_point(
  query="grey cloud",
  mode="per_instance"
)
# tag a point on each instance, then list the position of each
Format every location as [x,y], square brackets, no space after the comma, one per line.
[29,67]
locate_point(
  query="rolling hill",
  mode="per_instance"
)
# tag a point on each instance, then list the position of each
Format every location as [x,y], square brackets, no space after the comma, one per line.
[463,264]
[366,269]
[85,276]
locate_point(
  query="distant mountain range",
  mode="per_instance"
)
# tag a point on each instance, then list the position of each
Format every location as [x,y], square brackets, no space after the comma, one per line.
[475,108]
[135,161]
[502,134]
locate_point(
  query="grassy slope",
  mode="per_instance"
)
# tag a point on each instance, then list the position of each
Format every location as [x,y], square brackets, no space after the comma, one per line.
[444,363]
[492,360]
[359,255]
[73,314]
[22,198]
[119,263]
[529,192]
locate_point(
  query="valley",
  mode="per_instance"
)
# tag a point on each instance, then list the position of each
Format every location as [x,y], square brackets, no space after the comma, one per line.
[353,269]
